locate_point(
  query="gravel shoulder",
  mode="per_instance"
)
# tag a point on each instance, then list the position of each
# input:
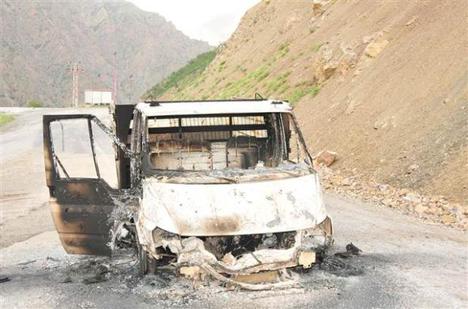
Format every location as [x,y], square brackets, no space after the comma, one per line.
[405,263]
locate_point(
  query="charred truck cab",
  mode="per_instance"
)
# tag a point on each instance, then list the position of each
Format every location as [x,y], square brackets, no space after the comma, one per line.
[223,187]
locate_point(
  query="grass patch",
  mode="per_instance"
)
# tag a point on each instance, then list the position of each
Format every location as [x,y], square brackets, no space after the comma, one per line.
[245,84]
[183,76]
[299,93]
[222,66]
[283,50]
[313,91]
[34,103]
[277,83]
[6,118]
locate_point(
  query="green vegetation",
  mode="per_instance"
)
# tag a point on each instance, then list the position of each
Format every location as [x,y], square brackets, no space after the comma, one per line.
[6,118]
[283,50]
[222,66]
[262,79]
[313,91]
[302,91]
[183,76]
[241,68]
[35,103]
[279,84]
[245,84]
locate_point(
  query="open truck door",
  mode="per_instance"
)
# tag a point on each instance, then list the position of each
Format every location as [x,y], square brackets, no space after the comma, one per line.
[80,165]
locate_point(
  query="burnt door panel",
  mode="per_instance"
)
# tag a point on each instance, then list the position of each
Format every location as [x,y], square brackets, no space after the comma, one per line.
[81,210]
[81,200]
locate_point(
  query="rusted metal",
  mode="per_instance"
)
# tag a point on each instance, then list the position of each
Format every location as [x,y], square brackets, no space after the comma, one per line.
[81,210]
[80,207]
[262,277]
[268,206]
[202,177]
[93,150]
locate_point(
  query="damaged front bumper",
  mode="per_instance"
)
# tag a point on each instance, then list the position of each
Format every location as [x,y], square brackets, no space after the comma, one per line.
[229,264]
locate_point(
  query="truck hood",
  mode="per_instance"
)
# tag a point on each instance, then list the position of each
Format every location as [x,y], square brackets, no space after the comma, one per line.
[232,209]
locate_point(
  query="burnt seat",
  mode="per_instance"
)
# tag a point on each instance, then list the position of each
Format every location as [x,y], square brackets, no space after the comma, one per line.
[180,155]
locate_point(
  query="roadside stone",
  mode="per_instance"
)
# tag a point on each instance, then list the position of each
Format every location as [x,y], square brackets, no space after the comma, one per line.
[420,209]
[448,219]
[347,182]
[383,187]
[326,158]
[433,208]
[412,197]
[412,168]
[387,202]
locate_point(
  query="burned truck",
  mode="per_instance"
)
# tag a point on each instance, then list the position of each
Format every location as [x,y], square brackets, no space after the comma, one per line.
[224,187]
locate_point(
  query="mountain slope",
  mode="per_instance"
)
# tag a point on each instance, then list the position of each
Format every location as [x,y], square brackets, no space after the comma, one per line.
[39,39]
[383,83]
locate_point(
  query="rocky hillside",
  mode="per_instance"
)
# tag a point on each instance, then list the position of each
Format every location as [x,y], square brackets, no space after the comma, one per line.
[382,83]
[39,39]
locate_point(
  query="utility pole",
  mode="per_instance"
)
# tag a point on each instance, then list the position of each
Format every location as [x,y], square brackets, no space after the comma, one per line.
[114,79]
[75,69]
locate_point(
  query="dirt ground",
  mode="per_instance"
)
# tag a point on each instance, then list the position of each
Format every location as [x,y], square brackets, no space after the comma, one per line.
[405,262]
[382,83]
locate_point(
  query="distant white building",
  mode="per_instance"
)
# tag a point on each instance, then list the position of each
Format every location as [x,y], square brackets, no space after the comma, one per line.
[98,97]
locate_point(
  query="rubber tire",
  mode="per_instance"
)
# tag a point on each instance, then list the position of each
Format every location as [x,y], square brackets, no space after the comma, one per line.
[146,263]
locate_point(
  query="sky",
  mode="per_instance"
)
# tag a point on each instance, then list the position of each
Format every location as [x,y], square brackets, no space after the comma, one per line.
[208,20]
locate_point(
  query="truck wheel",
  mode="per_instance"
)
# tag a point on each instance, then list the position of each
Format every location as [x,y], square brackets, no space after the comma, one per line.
[146,263]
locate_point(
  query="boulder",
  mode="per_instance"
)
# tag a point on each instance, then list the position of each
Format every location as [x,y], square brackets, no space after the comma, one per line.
[420,209]
[325,157]
[448,219]
[412,197]
[375,48]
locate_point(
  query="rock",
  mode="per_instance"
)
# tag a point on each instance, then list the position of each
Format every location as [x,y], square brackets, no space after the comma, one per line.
[347,181]
[448,219]
[412,197]
[383,187]
[413,167]
[328,70]
[375,48]
[326,158]
[403,192]
[380,124]
[387,202]
[351,248]
[351,107]
[192,272]
[411,21]
[420,209]
[318,7]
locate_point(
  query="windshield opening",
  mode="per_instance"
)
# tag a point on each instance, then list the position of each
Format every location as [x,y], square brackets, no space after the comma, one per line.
[224,142]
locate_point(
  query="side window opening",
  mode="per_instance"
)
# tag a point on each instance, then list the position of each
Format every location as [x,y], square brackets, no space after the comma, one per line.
[72,148]
[82,149]
[295,151]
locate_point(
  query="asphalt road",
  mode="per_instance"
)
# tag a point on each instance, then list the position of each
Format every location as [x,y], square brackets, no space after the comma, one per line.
[405,262]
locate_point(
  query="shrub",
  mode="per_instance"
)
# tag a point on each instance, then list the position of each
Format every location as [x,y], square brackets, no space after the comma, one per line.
[35,103]
[299,93]
[6,118]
